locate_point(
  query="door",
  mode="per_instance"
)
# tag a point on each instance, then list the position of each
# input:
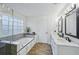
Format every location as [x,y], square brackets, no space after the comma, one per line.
[40,25]
[43,30]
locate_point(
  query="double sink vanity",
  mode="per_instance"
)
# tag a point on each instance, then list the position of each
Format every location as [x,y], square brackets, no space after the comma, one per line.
[64,39]
[60,46]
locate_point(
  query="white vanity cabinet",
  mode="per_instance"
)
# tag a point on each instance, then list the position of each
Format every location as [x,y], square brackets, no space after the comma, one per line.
[62,47]
[54,46]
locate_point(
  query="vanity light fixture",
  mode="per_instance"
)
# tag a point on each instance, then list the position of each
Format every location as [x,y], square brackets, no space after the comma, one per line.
[73,6]
[69,9]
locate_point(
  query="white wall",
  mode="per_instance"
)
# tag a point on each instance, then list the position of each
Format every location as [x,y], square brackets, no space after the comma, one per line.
[42,25]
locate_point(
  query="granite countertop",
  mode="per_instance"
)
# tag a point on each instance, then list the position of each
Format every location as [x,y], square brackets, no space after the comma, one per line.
[61,41]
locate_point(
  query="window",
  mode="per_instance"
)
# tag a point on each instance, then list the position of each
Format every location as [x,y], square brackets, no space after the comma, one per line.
[18,24]
[0,27]
[9,24]
[5,25]
[0,20]
[15,26]
[0,17]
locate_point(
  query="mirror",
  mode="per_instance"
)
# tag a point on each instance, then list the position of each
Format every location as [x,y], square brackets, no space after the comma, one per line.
[60,25]
[71,24]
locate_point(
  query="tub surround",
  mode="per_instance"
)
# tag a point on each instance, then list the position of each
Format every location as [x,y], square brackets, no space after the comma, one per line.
[19,46]
[12,37]
[16,41]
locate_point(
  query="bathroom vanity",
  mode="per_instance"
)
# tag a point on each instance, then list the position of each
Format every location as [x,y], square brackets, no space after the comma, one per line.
[61,46]
[69,27]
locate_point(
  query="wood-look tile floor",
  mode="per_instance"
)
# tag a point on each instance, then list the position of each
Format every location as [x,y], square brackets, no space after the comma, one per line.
[41,49]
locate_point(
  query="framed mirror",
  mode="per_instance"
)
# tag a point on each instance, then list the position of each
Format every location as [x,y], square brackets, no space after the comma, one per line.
[60,25]
[71,23]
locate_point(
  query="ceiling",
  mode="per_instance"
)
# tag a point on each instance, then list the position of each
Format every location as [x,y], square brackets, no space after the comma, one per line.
[37,9]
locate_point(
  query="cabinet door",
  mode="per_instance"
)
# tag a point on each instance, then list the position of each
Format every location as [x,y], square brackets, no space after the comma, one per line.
[54,47]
